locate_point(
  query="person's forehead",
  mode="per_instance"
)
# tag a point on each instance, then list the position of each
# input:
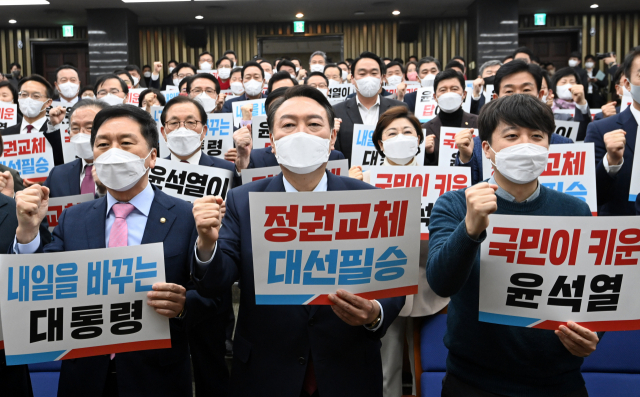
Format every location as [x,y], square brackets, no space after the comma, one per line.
[265,65]
[133,72]
[185,70]
[120,125]
[316,80]
[368,64]
[394,68]
[518,79]
[226,62]
[84,114]
[282,83]
[205,56]
[449,83]
[429,65]
[33,86]
[399,123]
[286,68]
[252,70]
[124,77]
[5,90]
[67,73]
[236,75]
[202,82]
[182,110]
[317,57]
[301,107]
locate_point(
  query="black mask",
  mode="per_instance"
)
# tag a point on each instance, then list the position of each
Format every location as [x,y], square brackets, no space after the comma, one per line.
[16,73]
[489,80]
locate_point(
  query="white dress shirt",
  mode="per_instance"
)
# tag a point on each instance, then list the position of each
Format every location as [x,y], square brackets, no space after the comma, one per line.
[612,170]
[369,116]
[70,103]
[37,125]
[195,159]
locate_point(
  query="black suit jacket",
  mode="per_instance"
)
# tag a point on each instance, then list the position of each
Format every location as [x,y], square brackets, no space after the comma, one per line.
[53,138]
[433,127]
[64,180]
[350,115]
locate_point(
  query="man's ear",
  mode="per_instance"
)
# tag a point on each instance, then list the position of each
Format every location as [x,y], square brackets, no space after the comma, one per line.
[204,132]
[273,143]
[494,96]
[542,93]
[486,148]
[164,134]
[153,157]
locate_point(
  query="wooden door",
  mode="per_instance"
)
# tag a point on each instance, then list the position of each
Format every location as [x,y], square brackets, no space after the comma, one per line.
[54,56]
[551,47]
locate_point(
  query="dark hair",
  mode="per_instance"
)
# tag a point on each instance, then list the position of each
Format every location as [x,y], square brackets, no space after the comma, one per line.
[301,91]
[148,127]
[279,76]
[333,65]
[184,81]
[519,110]
[320,74]
[235,70]
[183,99]
[406,69]
[399,60]
[38,79]
[459,58]
[206,76]
[412,56]
[547,78]
[564,72]
[514,67]
[428,60]
[619,72]
[273,95]
[146,66]
[16,64]
[182,65]
[535,59]
[455,64]
[575,54]
[219,61]
[102,79]
[132,68]
[368,55]
[85,89]
[523,50]
[121,72]
[250,64]
[265,61]
[349,60]
[63,67]
[628,61]
[391,115]
[159,95]
[204,53]
[342,63]
[386,59]
[230,52]
[446,75]
[395,63]
[286,62]
[87,103]
[13,90]
[172,61]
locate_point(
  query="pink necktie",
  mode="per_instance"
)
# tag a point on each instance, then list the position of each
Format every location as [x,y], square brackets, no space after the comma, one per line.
[88,184]
[29,128]
[119,231]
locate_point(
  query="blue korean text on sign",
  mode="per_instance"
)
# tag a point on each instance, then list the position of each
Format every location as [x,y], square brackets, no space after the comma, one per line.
[365,137]
[100,275]
[218,127]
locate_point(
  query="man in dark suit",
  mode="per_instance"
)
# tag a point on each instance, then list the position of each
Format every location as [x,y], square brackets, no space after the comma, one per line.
[151,216]
[253,81]
[427,69]
[77,176]
[35,96]
[293,351]
[615,143]
[448,88]
[367,106]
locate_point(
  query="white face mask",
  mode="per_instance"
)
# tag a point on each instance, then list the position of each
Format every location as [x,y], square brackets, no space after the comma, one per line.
[135,80]
[297,69]
[171,69]
[176,82]
[544,98]
[394,80]
[324,91]
[82,144]
[333,83]
[120,170]
[368,86]
[237,88]
[562,91]
[449,102]
[147,74]
[302,153]
[316,68]
[521,163]
[573,63]
[253,87]
[30,107]
[224,73]
[635,92]
[208,103]
[401,149]
[267,76]
[183,141]
[428,80]
[293,76]
[205,66]
[589,65]
[112,100]
[68,90]
[344,75]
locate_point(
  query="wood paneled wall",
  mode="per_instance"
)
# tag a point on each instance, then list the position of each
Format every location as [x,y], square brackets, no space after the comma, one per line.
[442,38]
[9,38]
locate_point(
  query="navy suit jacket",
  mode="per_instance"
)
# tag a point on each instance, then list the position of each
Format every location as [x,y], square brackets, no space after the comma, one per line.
[64,179]
[273,343]
[476,158]
[613,192]
[215,162]
[410,100]
[263,157]
[599,116]
[476,106]
[52,137]
[160,372]
[228,107]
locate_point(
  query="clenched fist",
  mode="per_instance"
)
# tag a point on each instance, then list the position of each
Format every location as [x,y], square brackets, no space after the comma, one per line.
[157,68]
[430,144]
[481,202]
[244,143]
[32,204]
[401,89]
[609,109]
[464,142]
[478,84]
[356,172]
[56,115]
[614,141]
[6,184]
[207,212]
[578,94]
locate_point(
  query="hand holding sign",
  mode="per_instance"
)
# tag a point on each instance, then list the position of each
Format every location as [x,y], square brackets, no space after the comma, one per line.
[167,299]
[401,90]
[353,309]
[430,143]
[578,94]
[56,115]
[614,141]
[207,214]
[577,339]
[481,202]
[32,204]
[464,142]
[6,184]
[244,144]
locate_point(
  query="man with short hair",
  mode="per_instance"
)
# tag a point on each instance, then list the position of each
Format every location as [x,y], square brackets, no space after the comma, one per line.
[136,75]
[488,359]
[205,61]
[182,71]
[125,76]
[253,82]
[281,79]
[317,61]
[146,74]
[287,66]
[205,88]
[16,74]
[367,105]
[334,73]
[318,80]
[575,59]
[268,69]
[231,55]
[462,62]
[68,85]
[346,71]
[523,54]
[111,89]
[457,66]
[487,75]
[394,75]
[428,68]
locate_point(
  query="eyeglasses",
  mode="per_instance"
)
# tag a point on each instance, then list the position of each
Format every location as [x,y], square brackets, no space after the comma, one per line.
[34,95]
[189,124]
[113,91]
[321,85]
[76,129]
[210,91]
[182,76]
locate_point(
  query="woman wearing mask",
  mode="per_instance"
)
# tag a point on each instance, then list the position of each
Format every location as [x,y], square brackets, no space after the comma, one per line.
[594,96]
[224,66]
[569,92]
[235,82]
[398,138]
[411,73]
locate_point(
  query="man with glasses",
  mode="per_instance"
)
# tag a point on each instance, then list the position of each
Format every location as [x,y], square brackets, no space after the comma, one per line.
[68,85]
[34,96]
[205,88]
[318,80]
[253,81]
[111,89]
[78,176]
[182,71]
[126,77]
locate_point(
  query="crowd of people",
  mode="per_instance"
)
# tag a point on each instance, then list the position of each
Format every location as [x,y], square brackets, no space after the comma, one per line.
[355,346]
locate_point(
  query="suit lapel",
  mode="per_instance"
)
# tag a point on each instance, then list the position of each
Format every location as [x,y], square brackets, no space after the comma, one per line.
[3,212]
[206,160]
[95,223]
[155,231]
[74,181]
[353,112]
[630,125]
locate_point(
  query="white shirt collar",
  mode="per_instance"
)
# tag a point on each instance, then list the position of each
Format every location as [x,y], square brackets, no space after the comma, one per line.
[71,102]
[195,159]
[376,104]
[37,125]
[636,114]
[322,185]
[142,201]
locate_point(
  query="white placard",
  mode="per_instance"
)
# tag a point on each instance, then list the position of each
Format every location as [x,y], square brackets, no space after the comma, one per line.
[340,92]
[31,155]
[541,271]
[308,245]
[257,110]
[219,137]
[363,151]
[567,129]
[68,148]
[133,98]
[626,101]
[426,105]
[336,167]
[228,95]
[213,72]
[433,181]
[634,187]
[156,112]
[190,181]
[59,204]
[8,114]
[65,305]
[260,132]
[170,94]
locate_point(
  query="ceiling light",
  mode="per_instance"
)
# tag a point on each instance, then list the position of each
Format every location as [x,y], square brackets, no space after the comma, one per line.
[12,21]
[299,15]
[149,1]
[22,2]
[199,17]
[594,6]
[396,12]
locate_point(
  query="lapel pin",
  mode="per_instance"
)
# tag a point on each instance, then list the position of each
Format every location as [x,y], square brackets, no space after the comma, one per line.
[162,220]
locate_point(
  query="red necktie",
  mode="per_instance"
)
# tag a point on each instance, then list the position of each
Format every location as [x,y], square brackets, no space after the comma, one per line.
[29,128]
